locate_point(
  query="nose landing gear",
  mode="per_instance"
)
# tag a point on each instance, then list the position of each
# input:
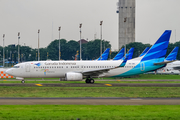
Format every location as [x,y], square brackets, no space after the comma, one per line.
[23,81]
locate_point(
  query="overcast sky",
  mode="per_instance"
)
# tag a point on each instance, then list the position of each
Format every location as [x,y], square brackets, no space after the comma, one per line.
[27,16]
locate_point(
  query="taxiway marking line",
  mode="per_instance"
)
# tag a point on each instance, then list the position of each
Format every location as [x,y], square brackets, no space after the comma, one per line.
[108,84]
[38,84]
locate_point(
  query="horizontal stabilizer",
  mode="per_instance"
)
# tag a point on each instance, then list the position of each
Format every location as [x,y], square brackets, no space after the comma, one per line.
[162,63]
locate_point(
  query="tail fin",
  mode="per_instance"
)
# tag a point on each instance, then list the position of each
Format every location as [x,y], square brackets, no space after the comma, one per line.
[104,55]
[124,61]
[159,49]
[144,52]
[119,55]
[129,54]
[172,56]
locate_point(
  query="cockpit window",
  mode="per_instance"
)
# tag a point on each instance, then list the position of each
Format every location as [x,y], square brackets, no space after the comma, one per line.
[16,67]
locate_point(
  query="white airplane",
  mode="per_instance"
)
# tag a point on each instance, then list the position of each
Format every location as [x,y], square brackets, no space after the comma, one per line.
[77,70]
[173,67]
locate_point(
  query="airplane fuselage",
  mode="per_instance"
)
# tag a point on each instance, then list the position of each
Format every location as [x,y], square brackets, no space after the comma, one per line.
[46,69]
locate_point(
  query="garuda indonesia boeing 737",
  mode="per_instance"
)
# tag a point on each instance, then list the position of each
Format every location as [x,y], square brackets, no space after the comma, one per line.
[153,59]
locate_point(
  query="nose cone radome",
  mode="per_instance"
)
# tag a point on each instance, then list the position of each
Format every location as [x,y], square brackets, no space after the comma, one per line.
[8,71]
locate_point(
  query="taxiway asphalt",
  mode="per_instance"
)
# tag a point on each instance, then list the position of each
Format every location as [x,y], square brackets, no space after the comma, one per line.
[91,85]
[89,101]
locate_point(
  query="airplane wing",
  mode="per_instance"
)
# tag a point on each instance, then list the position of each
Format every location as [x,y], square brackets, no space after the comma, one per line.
[104,70]
[96,72]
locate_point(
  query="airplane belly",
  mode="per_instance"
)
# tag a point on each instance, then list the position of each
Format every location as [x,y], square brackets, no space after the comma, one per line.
[115,72]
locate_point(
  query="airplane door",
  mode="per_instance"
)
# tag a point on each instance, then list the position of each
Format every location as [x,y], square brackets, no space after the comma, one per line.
[142,66]
[27,66]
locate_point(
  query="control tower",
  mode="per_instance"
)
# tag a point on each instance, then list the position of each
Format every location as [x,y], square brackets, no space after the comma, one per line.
[126,11]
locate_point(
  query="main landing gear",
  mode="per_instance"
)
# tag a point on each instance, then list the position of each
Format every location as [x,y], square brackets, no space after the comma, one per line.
[89,80]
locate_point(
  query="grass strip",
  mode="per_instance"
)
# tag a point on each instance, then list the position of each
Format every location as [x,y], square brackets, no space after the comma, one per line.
[134,92]
[89,112]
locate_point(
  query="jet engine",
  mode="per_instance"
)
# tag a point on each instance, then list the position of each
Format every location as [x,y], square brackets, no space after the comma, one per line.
[73,76]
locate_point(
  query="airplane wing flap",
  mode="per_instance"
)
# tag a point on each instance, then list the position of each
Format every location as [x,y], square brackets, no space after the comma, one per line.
[96,72]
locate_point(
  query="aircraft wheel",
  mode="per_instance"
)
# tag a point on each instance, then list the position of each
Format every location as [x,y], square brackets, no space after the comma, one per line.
[91,81]
[87,81]
[23,81]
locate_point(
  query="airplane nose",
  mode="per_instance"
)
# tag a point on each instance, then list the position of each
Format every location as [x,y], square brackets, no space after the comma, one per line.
[8,71]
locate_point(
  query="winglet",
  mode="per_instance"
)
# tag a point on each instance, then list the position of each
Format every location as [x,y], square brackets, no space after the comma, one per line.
[119,55]
[172,56]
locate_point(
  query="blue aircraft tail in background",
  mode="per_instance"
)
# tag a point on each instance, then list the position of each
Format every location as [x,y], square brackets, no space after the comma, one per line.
[119,55]
[144,52]
[172,56]
[129,54]
[104,55]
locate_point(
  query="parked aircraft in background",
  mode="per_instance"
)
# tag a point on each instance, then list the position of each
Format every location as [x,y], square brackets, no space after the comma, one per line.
[129,54]
[105,55]
[173,67]
[144,52]
[77,70]
[120,55]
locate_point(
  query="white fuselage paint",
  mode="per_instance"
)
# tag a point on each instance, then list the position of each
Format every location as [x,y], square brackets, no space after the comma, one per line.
[170,68]
[60,68]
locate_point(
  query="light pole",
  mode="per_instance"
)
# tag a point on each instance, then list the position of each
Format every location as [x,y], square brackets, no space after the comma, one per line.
[18,46]
[125,36]
[3,48]
[80,39]
[101,38]
[59,45]
[38,44]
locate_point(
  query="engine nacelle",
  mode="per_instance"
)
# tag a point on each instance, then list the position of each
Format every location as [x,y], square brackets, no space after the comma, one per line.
[73,76]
